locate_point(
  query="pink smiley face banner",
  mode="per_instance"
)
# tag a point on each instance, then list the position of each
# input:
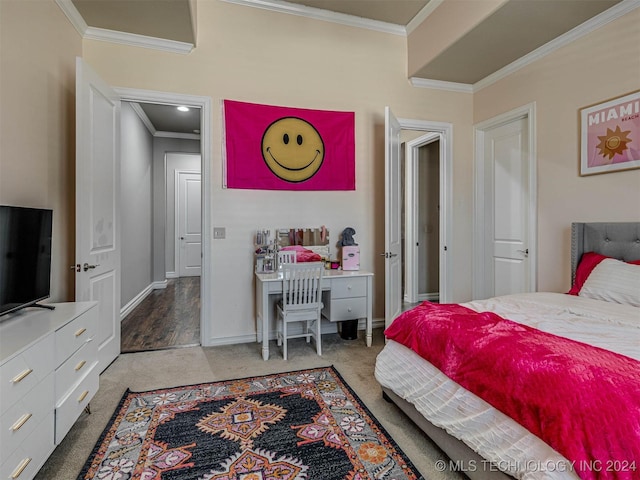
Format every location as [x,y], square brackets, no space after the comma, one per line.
[281,148]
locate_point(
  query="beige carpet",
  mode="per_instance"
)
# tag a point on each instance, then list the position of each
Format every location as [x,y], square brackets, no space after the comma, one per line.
[184,366]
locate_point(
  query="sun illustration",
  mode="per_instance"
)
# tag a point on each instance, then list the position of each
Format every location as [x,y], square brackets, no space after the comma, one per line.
[614,142]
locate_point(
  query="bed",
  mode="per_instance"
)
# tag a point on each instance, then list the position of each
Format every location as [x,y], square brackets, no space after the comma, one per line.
[485,443]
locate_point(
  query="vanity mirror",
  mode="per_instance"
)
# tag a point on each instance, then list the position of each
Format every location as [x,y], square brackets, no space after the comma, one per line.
[268,241]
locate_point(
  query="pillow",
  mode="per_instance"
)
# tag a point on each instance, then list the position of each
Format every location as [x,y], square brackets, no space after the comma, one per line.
[613,281]
[588,262]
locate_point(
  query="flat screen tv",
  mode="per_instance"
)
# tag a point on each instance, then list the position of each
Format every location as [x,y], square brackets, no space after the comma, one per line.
[25,256]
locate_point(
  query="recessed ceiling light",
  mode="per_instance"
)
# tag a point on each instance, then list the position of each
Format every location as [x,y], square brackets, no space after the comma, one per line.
[183,109]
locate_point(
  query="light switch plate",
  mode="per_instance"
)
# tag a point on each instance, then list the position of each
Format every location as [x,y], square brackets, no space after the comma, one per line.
[219,232]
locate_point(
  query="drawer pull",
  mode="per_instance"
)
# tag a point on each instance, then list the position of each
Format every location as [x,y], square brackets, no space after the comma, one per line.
[23,464]
[80,365]
[16,426]
[349,309]
[22,376]
[82,397]
[80,332]
[348,287]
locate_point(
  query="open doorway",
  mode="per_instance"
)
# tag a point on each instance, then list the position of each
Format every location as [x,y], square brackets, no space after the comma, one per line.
[161,226]
[394,185]
[421,217]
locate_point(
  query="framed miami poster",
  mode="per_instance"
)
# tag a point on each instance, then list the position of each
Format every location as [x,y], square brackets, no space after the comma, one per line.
[610,135]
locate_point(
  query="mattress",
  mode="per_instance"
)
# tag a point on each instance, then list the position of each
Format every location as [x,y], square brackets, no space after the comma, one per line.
[493,435]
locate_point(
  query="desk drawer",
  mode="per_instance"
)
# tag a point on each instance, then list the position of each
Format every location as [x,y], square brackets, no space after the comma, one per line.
[346,309]
[17,423]
[70,408]
[74,334]
[348,287]
[25,371]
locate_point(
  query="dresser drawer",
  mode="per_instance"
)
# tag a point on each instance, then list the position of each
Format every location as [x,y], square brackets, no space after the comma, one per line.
[70,407]
[349,287]
[23,372]
[74,334]
[75,368]
[26,460]
[346,309]
[17,422]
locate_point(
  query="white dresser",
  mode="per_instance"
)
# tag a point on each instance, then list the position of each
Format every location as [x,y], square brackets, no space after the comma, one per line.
[48,375]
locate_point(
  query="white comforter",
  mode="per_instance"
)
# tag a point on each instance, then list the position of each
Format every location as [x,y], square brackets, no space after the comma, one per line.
[489,432]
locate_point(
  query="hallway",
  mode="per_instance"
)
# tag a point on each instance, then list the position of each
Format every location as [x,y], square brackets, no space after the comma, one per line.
[167,318]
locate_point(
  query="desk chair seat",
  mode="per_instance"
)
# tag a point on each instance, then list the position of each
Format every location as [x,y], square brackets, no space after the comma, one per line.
[301,302]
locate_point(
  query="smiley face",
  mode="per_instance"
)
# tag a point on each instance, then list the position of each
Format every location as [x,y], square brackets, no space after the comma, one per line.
[292,149]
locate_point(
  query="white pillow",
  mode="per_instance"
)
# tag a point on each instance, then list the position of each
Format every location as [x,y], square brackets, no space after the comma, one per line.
[613,281]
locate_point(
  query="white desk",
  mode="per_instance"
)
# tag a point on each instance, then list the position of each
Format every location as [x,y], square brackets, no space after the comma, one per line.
[348,296]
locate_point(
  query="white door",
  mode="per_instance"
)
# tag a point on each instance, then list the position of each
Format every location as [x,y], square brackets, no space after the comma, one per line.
[189,228]
[392,232]
[97,205]
[507,215]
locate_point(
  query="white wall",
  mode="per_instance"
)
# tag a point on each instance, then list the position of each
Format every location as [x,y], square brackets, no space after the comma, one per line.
[136,201]
[597,67]
[255,55]
[37,123]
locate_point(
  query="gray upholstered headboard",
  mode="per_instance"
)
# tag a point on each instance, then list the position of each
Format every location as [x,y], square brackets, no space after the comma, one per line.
[619,240]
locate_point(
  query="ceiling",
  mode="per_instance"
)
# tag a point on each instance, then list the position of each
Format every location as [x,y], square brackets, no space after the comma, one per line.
[513,30]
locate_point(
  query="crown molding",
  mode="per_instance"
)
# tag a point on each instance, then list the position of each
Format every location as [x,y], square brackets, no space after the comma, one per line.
[422,15]
[71,12]
[441,85]
[123,38]
[319,14]
[135,40]
[183,136]
[143,117]
[585,28]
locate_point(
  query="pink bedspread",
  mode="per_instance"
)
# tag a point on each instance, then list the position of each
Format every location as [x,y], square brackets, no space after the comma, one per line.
[582,400]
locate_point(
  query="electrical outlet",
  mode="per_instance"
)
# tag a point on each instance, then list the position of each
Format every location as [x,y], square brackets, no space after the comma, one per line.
[219,232]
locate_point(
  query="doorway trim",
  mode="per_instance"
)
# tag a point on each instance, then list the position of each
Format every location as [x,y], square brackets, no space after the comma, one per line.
[204,103]
[445,132]
[483,199]
[411,257]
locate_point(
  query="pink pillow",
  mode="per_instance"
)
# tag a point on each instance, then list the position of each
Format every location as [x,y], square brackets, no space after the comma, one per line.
[588,262]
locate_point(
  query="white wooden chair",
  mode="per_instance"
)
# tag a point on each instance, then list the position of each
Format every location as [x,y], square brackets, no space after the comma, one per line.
[286,256]
[301,302]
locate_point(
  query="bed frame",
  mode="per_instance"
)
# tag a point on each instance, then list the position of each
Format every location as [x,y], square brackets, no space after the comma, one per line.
[618,240]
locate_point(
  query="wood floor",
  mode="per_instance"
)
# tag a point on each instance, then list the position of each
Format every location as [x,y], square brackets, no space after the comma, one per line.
[167,318]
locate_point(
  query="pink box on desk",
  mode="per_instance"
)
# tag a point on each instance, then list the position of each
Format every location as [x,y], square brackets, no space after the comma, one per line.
[351,257]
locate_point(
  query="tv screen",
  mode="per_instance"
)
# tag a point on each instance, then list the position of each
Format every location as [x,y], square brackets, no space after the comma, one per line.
[25,256]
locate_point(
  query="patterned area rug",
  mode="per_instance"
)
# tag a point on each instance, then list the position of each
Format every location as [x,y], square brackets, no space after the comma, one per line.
[307,424]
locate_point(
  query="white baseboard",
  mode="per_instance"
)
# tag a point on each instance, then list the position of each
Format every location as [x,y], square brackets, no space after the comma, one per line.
[172,275]
[160,285]
[429,296]
[135,301]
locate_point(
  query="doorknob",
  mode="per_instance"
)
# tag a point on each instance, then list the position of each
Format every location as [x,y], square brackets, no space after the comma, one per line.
[75,267]
[388,254]
[86,266]
[524,252]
